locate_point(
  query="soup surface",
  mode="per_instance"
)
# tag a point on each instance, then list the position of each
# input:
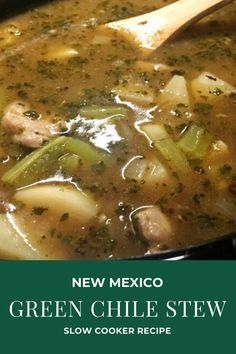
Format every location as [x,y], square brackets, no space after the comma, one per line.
[105,153]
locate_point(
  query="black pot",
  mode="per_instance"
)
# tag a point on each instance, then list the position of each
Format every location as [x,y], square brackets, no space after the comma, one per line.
[221,248]
[12,7]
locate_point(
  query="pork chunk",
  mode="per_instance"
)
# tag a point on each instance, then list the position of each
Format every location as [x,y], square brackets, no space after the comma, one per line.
[24,130]
[154,226]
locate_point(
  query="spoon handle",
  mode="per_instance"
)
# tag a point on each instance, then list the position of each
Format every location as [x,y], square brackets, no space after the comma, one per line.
[151,30]
[182,13]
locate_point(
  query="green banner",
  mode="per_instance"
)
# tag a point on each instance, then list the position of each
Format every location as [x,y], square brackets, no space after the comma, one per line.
[111,307]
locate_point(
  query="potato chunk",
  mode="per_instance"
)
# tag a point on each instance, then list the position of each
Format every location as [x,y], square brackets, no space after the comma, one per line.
[135,92]
[58,200]
[211,87]
[175,92]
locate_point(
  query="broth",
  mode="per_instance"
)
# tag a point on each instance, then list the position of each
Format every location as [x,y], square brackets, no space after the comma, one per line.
[105,154]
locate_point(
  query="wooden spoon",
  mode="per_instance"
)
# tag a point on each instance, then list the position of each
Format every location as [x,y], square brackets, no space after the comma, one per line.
[151,30]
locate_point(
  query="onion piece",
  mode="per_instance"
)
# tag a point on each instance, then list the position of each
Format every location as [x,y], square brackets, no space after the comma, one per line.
[12,245]
[150,171]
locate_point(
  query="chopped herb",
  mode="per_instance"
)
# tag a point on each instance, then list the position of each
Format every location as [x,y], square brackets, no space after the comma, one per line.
[71,109]
[177,189]
[207,221]
[32,114]
[226,169]
[78,61]
[232,186]
[217,92]
[97,189]
[175,175]
[64,217]
[98,231]
[177,113]
[206,183]
[163,204]
[47,69]
[99,168]
[202,108]
[198,197]
[38,211]
[232,95]
[168,128]
[22,94]
[173,61]
[135,187]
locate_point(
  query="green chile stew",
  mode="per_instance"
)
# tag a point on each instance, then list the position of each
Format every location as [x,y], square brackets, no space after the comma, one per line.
[104,154]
